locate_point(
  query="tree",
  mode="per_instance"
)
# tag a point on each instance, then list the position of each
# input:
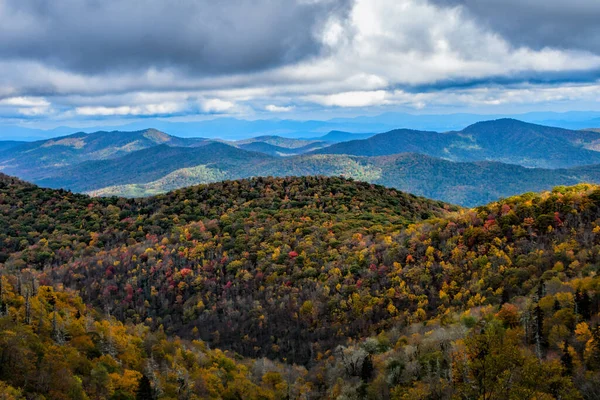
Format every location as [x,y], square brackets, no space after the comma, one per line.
[492,357]
[566,360]
[494,366]
[144,390]
[583,304]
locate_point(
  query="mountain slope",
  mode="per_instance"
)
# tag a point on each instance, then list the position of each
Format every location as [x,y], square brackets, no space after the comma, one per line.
[151,164]
[467,184]
[474,183]
[533,145]
[177,179]
[226,218]
[34,159]
[505,140]
[9,144]
[393,142]
[344,278]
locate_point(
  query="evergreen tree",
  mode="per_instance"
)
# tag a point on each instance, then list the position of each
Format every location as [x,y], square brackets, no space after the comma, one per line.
[538,331]
[566,360]
[367,369]
[144,390]
[583,304]
[594,359]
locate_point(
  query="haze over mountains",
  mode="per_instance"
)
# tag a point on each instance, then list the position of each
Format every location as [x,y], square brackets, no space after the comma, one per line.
[478,164]
[238,129]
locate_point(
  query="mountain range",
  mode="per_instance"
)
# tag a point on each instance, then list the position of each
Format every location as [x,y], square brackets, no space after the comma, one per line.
[481,163]
[506,140]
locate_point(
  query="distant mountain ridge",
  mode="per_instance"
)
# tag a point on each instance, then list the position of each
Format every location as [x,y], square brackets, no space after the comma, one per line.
[33,159]
[479,164]
[280,146]
[151,164]
[339,136]
[235,129]
[464,183]
[504,140]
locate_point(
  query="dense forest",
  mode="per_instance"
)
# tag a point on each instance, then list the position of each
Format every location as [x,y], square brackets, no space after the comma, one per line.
[298,288]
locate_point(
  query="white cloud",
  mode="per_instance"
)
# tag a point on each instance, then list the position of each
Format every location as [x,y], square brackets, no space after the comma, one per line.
[279,109]
[25,106]
[351,99]
[216,105]
[148,109]
[24,102]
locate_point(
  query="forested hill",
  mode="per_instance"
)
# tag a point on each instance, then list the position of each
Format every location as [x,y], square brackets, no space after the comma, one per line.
[369,292]
[503,140]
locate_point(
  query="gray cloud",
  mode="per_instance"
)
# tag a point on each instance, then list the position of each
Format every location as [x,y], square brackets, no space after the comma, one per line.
[199,36]
[560,24]
[78,60]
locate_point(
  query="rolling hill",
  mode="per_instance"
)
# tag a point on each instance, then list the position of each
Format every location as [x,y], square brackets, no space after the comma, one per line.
[313,287]
[464,183]
[151,164]
[506,140]
[35,159]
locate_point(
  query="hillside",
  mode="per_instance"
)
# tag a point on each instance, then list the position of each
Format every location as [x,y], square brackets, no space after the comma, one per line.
[280,212]
[9,144]
[342,277]
[473,183]
[393,142]
[54,347]
[467,184]
[152,164]
[505,140]
[33,159]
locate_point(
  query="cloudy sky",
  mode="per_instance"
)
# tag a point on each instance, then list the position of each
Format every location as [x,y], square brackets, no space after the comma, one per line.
[64,61]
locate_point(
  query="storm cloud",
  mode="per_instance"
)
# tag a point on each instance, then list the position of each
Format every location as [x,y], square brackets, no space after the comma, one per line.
[537,24]
[199,36]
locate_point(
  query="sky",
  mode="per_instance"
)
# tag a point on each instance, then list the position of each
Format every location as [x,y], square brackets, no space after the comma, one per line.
[100,61]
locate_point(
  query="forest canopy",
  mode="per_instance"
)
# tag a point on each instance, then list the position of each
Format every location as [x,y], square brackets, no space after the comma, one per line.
[298,288]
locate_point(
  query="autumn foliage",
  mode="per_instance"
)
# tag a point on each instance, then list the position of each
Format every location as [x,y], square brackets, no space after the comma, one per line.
[311,287]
